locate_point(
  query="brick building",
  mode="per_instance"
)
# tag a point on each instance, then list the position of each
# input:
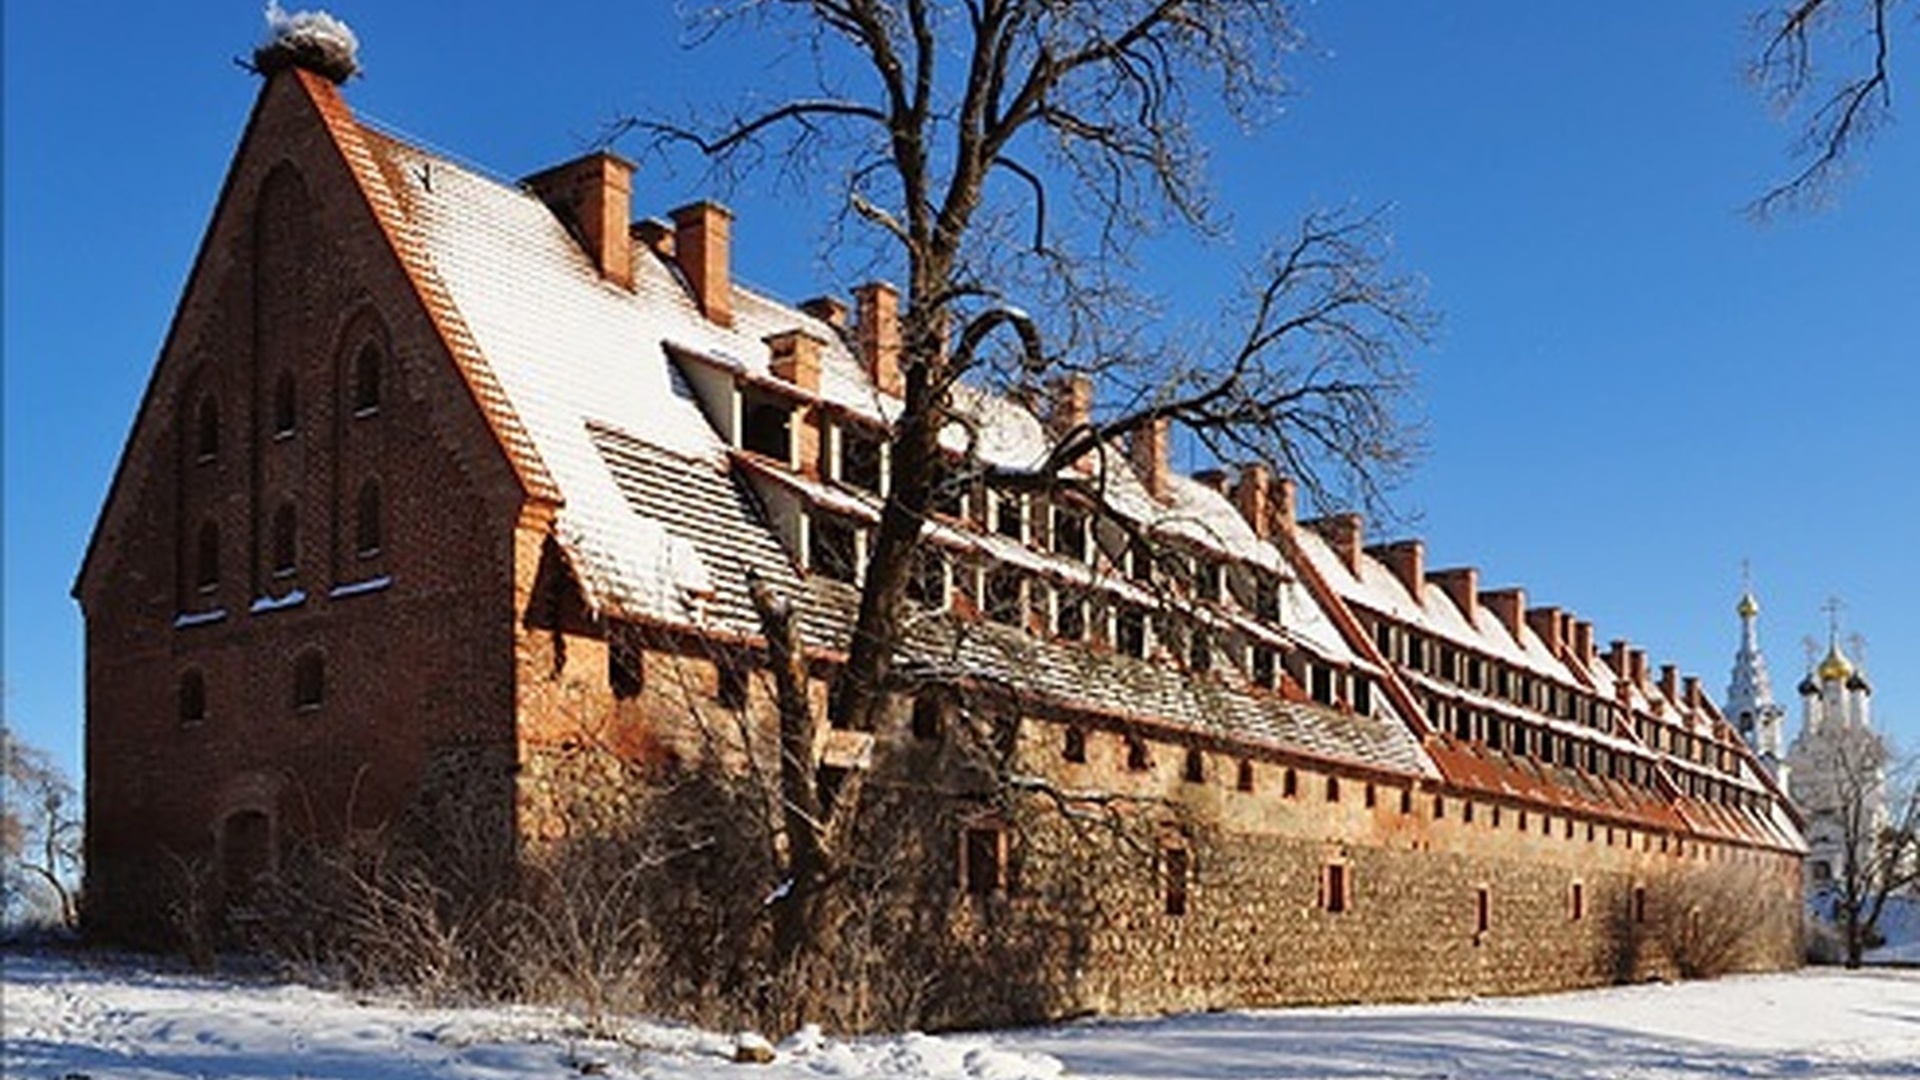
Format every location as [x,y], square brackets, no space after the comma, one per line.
[442,503]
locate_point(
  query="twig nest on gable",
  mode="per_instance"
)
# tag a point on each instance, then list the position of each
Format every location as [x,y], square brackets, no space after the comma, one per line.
[313,40]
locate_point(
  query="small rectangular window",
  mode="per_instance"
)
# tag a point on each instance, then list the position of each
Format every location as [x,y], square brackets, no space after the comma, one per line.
[766,426]
[1334,886]
[1200,651]
[1178,867]
[1073,745]
[1321,680]
[1266,666]
[1195,770]
[1333,789]
[1639,903]
[1482,911]
[1289,783]
[929,714]
[1006,601]
[1130,631]
[1010,516]
[1266,598]
[1069,533]
[927,586]
[1208,580]
[1577,902]
[1069,617]
[983,866]
[1137,759]
[860,458]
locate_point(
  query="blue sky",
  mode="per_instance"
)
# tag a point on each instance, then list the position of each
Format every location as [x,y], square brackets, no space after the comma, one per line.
[1634,387]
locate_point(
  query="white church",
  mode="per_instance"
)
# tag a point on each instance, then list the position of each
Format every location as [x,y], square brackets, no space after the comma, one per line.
[1835,768]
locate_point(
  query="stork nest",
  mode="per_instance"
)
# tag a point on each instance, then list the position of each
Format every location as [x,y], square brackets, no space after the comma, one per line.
[326,55]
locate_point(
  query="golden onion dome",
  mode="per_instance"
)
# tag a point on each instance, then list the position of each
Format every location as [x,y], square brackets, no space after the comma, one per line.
[1835,667]
[1749,607]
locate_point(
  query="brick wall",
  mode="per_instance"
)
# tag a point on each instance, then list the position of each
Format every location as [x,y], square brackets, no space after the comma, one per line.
[412,627]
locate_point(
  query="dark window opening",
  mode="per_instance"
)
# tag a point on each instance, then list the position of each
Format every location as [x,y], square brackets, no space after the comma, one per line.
[983,865]
[1466,812]
[1073,745]
[1010,516]
[285,411]
[1321,680]
[626,664]
[1363,696]
[1195,770]
[949,496]
[1209,580]
[1137,759]
[766,427]
[1070,617]
[1130,631]
[833,549]
[1290,783]
[1243,778]
[860,458]
[286,540]
[1266,598]
[1140,561]
[1266,666]
[1406,800]
[207,559]
[1069,533]
[309,681]
[1483,910]
[1177,862]
[927,585]
[1200,651]
[1333,894]
[366,381]
[206,442]
[367,530]
[193,698]
[1372,797]
[1333,789]
[929,715]
[1439,807]
[1639,903]
[1006,596]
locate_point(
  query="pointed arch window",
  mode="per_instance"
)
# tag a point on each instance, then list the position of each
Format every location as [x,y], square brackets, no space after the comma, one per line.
[366,381]
[206,562]
[285,407]
[206,430]
[286,540]
[368,529]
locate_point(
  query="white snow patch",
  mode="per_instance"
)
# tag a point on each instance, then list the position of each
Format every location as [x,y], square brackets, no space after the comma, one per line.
[198,618]
[278,603]
[358,588]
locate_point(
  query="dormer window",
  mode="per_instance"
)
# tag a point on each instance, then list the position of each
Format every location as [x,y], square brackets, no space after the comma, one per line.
[1130,631]
[861,455]
[1010,516]
[1266,666]
[1208,580]
[1266,598]
[1005,598]
[1069,533]
[927,586]
[766,426]
[833,548]
[1069,616]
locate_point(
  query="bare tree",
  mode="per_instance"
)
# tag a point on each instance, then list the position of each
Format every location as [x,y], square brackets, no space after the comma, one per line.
[39,836]
[1840,113]
[1006,157]
[1863,806]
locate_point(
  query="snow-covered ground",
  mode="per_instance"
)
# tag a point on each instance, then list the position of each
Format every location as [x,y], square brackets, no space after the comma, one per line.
[69,1019]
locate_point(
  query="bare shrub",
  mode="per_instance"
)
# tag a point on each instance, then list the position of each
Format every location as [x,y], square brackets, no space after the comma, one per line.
[1711,919]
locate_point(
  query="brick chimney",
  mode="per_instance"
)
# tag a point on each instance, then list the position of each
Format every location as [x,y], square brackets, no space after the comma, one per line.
[1462,584]
[795,356]
[1507,605]
[1213,478]
[1408,561]
[1637,658]
[1251,496]
[1670,682]
[1550,626]
[593,197]
[1069,403]
[1620,660]
[1344,533]
[1583,641]
[702,235]
[828,309]
[1283,502]
[877,323]
[1690,687]
[1150,448]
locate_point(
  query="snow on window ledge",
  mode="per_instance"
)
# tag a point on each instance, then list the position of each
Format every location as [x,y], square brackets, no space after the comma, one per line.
[279,603]
[358,588]
[198,618]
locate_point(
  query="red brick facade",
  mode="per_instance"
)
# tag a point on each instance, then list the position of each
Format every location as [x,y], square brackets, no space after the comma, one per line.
[331,589]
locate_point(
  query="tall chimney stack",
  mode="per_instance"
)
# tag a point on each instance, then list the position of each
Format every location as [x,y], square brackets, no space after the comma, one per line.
[1251,496]
[593,197]
[1069,403]
[1344,533]
[702,236]
[877,328]
[1507,605]
[1462,584]
[1550,626]
[1408,561]
[1150,448]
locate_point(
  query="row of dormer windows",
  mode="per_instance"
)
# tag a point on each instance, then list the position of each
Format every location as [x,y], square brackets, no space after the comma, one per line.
[1442,660]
